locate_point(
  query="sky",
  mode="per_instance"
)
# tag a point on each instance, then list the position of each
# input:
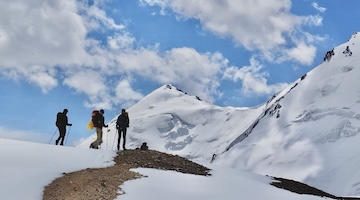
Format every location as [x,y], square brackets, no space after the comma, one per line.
[103,54]
[42,170]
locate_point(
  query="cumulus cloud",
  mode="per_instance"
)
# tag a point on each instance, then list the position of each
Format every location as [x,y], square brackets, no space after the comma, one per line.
[254,81]
[125,93]
[40,32]
[195,72]
[263,26]
[50,43]
[303,53]
[120,41]
[88,82]
[40,76]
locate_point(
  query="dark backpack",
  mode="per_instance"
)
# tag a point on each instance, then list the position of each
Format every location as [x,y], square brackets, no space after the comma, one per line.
[60,119]
[96,118]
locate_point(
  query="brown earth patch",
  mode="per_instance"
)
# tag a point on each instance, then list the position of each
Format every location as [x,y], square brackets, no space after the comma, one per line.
[103,183]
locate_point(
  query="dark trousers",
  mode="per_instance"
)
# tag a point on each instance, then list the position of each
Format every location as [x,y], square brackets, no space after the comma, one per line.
[123,130]
[62,132]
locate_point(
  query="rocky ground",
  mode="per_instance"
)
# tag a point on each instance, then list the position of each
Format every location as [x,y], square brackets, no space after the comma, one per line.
[103,184]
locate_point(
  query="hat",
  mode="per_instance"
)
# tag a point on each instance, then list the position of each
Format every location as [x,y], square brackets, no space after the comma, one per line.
[102,111]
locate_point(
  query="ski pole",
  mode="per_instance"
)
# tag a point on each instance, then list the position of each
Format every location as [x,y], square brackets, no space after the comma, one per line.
[68,135]
[113,141]
[53,136]
[107,139]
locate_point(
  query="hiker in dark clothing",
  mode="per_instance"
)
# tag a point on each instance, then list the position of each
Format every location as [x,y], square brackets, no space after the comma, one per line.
[61,123]
[328,55]
[121,125]
[98,121]
[347,51]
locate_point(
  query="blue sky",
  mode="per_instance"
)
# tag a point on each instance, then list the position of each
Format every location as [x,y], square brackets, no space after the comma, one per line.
[85,55]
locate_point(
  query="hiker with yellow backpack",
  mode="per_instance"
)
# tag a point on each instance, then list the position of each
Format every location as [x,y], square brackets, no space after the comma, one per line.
[97,122]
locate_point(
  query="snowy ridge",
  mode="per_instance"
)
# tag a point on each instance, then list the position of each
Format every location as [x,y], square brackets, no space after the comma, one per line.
[272,108]
[171,121]
[306,132]
[318,123]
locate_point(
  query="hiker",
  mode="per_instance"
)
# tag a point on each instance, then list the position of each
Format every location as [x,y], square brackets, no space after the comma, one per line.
[144,146]
[61,123]
[121,125]
[347,51]
[98,121]
[328,55]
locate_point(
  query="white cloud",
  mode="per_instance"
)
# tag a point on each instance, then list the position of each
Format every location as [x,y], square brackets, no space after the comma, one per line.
[303,53]
[93,84]
[313,20]
[96,18]
[120,41]
[43,79]
[126,94]
[254,82]
[264,26]
[195,72]
[38,32]
[317,7]
[40,76]
[89,82]
[47,42]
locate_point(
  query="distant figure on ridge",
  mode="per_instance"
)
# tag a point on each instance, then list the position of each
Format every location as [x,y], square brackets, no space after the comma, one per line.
[98,121]
[328,55]
[121,125]
[347,51]
[61,123]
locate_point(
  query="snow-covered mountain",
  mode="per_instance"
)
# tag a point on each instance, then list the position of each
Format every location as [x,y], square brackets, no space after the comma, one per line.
[308,132]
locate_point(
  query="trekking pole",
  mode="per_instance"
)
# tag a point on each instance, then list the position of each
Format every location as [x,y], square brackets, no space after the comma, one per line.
[113,141]
[68,135]
[53,135]
[107,139]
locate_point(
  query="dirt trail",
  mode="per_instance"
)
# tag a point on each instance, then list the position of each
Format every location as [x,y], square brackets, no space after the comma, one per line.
[103,183]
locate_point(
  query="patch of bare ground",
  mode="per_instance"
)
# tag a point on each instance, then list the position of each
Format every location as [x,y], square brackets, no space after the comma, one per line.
[105,183]
[301,188]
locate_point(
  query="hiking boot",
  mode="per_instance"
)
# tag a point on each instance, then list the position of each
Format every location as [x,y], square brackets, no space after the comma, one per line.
[118,147]
[124,148]
[56,142]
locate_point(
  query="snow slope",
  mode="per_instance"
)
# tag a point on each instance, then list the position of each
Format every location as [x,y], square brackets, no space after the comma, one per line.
[316,137]
[26,168]
[169,120]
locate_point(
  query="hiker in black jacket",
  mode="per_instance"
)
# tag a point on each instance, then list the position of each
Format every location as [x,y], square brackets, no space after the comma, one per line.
[61,123]
[121,125]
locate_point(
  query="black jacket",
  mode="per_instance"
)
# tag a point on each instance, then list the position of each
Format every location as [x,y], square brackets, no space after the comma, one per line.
[123,120]
[61,120]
